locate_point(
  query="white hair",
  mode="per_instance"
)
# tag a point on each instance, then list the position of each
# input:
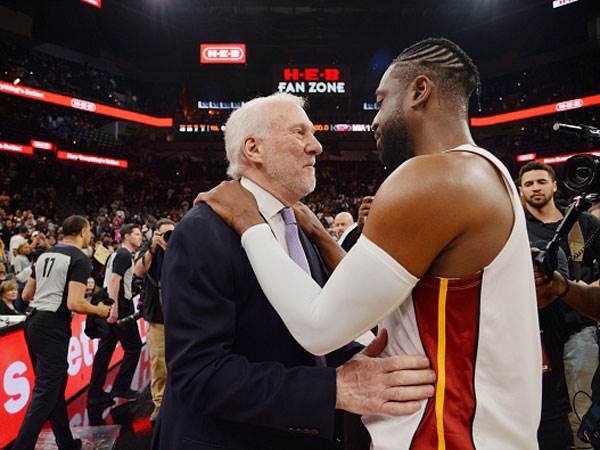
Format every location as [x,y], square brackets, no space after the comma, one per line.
[250,120]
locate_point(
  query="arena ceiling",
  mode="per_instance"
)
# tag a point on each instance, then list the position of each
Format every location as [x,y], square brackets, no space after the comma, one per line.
[164,35]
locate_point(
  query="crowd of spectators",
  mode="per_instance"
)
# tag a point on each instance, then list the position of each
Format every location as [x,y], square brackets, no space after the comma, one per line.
[552,82]
[36,193]
[33,67]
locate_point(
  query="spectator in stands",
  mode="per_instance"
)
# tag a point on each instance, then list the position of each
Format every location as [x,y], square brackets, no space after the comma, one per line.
[16,241]
[4,276]
[21,260]
[9,292]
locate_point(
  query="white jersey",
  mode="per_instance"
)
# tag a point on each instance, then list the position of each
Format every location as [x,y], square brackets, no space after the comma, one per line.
[481,335]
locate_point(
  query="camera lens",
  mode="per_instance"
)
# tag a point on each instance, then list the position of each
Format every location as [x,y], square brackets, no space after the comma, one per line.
[582,174]
[166,235]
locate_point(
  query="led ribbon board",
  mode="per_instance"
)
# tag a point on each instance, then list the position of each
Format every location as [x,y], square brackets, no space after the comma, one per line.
[16,148]
[84,105]
[537,111]
[92,159]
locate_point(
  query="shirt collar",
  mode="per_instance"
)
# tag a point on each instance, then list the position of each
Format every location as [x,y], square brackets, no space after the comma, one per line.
[268,205]
[347,232]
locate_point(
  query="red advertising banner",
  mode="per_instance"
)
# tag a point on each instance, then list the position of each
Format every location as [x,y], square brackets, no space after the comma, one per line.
[536,112]
[96,3]
[85,105]
[526,157]
[223,53]
[16,148]
[17,378]
[92,159]
[559,159]
[43,145]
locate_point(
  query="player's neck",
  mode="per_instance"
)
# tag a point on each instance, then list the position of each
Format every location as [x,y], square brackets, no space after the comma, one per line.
[441,134]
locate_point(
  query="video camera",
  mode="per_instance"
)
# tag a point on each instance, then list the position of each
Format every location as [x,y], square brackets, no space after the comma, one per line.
[581,175]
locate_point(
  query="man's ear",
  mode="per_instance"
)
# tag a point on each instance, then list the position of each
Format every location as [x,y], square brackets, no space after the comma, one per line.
[420,91]
[252,150]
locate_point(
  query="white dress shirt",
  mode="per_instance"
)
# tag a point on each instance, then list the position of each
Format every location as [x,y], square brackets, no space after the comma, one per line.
[270,209]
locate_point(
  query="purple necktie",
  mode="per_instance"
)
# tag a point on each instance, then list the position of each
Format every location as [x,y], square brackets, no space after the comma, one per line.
[292,239]
[297,254]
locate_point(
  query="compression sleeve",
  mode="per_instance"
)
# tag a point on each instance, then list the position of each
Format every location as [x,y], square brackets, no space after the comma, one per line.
[365,287]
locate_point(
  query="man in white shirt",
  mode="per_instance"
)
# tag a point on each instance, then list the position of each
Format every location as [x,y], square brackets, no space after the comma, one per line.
[237,378]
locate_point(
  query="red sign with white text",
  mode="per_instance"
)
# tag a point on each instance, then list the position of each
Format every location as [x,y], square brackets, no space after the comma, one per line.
[16,148]
[92,159]
[71,102]
[223,53]
[559,159]
[526,157]
[43,145]
[96,3]
[17,378]
[537,111]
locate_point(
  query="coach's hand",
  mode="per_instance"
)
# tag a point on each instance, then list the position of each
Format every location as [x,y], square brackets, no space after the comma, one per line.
[394,385]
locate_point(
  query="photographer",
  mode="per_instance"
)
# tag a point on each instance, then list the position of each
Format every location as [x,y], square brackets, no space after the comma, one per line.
[149,266]
[578,333]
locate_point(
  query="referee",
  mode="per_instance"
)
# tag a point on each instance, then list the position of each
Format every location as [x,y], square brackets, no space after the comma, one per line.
[57,287]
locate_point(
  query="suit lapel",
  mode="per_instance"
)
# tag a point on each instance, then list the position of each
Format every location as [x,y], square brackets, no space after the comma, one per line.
[317,266]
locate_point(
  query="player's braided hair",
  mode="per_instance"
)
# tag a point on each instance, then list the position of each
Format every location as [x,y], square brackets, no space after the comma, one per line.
[443,61]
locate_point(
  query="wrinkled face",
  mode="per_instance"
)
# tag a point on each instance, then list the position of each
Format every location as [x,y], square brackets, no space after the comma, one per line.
[135,238]
[341,223]
[389,125]
[290,149]
[537,188]
[11,295]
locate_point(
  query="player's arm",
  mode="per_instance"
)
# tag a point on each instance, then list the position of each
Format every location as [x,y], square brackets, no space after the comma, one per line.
[28,290]
[405,232]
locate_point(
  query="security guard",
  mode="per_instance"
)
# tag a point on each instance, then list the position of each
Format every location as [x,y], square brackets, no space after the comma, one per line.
[57,287]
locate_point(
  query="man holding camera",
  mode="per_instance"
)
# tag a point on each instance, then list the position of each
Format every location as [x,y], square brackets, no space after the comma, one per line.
[576,332]
[120,290]
[149,267]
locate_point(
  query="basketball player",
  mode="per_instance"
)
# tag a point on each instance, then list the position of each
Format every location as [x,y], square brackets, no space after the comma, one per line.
[443,263]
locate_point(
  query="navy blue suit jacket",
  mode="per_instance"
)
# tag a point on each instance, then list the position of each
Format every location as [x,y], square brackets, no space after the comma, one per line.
[237,379]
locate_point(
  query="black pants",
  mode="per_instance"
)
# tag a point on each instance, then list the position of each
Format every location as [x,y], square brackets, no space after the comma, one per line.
[556,434]
[47,336]
[130,340]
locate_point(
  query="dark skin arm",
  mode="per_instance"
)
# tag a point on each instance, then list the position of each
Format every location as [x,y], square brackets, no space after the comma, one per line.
[446,214]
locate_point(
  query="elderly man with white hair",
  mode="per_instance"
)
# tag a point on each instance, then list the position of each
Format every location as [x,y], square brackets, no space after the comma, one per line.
[237,379]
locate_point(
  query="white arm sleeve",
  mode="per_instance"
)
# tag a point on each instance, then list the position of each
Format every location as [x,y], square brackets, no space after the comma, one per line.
[365,287]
